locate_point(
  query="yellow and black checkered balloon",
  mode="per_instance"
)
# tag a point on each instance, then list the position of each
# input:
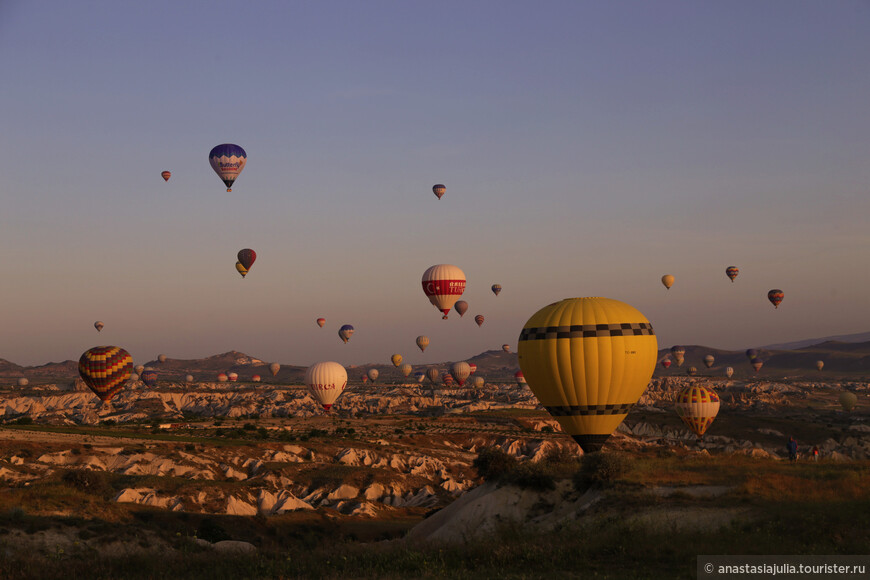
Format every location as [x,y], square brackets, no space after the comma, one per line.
[105,369]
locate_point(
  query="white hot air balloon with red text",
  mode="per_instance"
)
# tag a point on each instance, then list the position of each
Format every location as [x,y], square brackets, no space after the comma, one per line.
[325,382]
[443,284]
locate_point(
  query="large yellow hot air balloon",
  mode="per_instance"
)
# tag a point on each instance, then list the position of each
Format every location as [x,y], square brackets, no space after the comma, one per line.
[588,360]
[396,359]
[697,406]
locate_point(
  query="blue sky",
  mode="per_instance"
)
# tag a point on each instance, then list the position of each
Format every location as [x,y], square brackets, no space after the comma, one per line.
[587,148]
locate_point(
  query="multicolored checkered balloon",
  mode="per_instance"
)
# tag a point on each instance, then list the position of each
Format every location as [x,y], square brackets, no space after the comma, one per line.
[105,369]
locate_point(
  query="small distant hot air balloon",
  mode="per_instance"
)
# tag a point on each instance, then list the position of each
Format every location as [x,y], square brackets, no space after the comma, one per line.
[161,358]
[422,342]
[241,269]
[326,381]
[820,364]
[419,375]
[321,322]
[479,319]
[447,379]
[461,307]
[228,160]
[247,257]
[149,377]
[345,332]
[99,325]
[729,372]
[709,360]
[139,369]
[222,377]
[678,353]
[691,371]
[134,377]
[506,347]
[166,175]
[520,378]
[433,375]
[731,272]
[443,284]
[757,363]
[23,382]
[274,368]
[256,378]
[496,289]
[364,378]
[666,362]
[775,296]
[697,406]
[751,353]
[233,377]
[406,369]
[373,375]
[188,379]
[439,189]
[478,382]
[618,348]
[848,400]
[460,371]
[668,281]
[473,367]
[396,359]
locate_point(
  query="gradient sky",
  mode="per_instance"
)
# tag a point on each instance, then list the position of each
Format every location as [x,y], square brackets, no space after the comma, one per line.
[588,148]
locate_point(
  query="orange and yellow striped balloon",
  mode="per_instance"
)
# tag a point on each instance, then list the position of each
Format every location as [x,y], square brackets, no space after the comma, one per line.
[697,406]
[105,369]
[588,360]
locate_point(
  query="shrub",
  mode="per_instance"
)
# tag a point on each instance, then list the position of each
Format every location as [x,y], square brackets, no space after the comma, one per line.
[249,427]
[92,482]
[23,421]
[212,531]
[262,433]
[600,468]
[530,475]
[492,463]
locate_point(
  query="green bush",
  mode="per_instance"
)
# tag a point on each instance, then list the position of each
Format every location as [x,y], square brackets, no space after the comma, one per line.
[530,475]
[492,463]
[600,468]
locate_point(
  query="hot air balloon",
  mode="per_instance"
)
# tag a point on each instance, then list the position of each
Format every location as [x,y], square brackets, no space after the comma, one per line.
[396,359]
[99,325]
[419,375]
[479,319]
[134,377]
[473,367]
[443,284]
[321,322]
[678,353]
[139,369]
[588,360]
[274,368]
[820,364]
[496,289]
[757,363]
[422,342]
[256,378]
[233,377]
[506,347]
[325,382]
[149,377]
[161,358]
[406,369]
[775,296]
[697,406]
[247,257]
[364,378]
[751,353]
[729,372]
[478,382]
[848,400]
[439,189]
[666,362]
[345,332]
[731,272]
[166,175]
[668,281]
[23,382]
[461,307]
[228,160]
[188,379]
[520,378]
[433,375]
[447,379]
[460,371]
[691,371]
[709,360]
[373,375]
[241,269]
[222,377]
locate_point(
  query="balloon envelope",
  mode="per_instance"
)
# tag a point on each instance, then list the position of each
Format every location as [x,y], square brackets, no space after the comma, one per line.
[479,319]
[99,325]
[461,307]
[321,322]
[439,189]
[227,160]
[496,289]
[478,382]
[345,332]
[166,175]
[820,364]
[422,342]
[419,375]
[406,369]
[666,362]
[668,281]
[697,406]
[691,371]
[161,358]
[443,284]
[373,374]
[473,367]
[23,382]
[506,347]
[139,369]
[247,257]
[757,363]
[731,272]
[775,296]
[709,360]
[222,377]
[588,360]
[241,269]
[460,371]
[729,371]
[188,379]
[433,374]
[233,377]
[325,382]
[678,353]
[751,353]
[520,378]
[396,359]
[848,400]
[149,377]
[274,368]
